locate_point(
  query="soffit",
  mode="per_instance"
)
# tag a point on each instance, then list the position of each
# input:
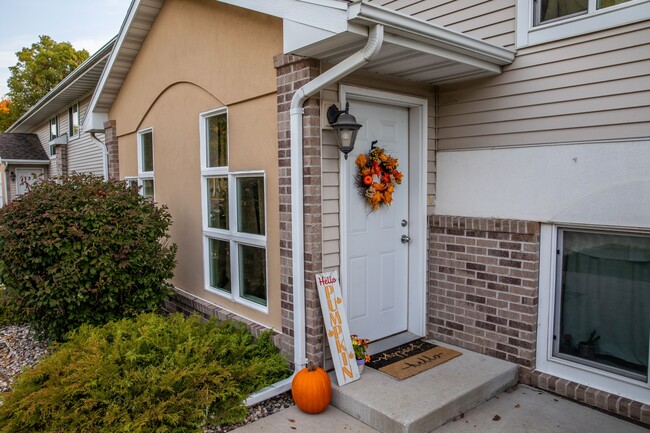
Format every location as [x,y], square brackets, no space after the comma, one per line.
[81,82]
[413,49]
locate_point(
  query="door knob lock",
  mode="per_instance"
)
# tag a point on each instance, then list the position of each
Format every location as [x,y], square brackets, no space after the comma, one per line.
[405,239]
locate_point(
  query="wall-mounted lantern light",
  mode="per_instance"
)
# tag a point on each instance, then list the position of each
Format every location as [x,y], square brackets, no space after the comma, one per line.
[12,176]
[345,126]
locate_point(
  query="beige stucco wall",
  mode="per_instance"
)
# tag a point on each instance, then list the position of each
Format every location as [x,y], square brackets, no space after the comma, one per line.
[218,59]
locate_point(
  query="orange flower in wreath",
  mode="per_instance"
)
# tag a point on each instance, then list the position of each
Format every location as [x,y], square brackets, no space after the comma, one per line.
[377,176]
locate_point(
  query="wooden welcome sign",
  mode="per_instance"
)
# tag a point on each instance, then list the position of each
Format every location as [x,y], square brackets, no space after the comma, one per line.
[336,325]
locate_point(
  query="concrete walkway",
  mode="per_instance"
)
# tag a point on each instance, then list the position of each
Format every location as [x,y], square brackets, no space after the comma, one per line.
[519,410]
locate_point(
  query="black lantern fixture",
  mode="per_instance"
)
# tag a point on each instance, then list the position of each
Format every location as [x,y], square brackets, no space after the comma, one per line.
[345,126]
[12,176]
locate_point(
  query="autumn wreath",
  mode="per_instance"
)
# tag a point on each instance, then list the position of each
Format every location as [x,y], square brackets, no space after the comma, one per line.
[377,176]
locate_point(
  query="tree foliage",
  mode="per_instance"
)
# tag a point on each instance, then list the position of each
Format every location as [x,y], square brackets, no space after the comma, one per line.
[40,67]
[80,250]
[8,114]
[151,374]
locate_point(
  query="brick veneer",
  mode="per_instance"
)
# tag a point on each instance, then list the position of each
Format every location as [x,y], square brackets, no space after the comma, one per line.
[110,140]
[483,295]
[593,397]
[293,72]
[483,281]
[62,159]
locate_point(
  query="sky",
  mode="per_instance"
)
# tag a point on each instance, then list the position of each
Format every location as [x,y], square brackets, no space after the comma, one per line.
[88,24]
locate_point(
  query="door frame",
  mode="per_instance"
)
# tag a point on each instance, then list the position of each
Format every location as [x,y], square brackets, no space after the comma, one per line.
[417,172]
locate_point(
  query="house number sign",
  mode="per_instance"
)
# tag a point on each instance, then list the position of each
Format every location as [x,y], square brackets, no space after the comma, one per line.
[336,326]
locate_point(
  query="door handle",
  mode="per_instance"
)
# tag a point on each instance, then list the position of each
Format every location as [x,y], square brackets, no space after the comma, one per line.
[405,239]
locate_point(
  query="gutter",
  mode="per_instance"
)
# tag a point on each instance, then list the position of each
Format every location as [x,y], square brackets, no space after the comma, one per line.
[104,149]
[341,70]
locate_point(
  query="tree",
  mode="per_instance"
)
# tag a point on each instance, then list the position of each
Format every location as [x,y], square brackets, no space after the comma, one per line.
[40,67]
[7,114]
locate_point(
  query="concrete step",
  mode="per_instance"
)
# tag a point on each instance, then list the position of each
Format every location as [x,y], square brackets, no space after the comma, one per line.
[427,400]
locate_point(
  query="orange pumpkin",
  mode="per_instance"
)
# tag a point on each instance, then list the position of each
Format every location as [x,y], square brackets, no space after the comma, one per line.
[311,389]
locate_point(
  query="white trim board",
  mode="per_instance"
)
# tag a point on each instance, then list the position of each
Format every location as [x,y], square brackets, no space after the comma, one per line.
[418,139]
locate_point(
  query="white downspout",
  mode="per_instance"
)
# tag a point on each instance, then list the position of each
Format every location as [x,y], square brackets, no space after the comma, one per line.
[341,70]
[104,149]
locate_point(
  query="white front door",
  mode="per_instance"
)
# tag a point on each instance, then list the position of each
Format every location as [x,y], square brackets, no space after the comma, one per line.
[377,258]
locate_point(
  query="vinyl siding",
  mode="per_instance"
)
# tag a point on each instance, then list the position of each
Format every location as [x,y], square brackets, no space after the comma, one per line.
[84,156]
[44,136]
[589,88]
[492,21]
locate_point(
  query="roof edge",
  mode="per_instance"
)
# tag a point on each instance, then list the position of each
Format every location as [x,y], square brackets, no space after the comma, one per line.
[63,84]
[370,14]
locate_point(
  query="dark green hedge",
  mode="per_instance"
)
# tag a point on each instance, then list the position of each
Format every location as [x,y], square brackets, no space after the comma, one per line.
[144,375]
[79,250]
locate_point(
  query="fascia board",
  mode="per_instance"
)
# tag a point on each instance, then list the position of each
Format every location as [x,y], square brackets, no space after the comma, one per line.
[63,85]
[25,161]
[94,122]
[124,30]
[328,15]
[409,27]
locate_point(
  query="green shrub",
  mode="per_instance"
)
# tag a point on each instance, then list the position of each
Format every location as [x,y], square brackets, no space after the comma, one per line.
[8,314]
[148,374]
[81,250]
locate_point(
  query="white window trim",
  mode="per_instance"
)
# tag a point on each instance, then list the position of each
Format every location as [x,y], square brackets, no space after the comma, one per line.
[146,175]
[231,235]
[594,20]
[565,369]
[70,134]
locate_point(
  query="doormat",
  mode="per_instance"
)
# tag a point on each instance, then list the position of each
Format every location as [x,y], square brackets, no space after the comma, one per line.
[411,358]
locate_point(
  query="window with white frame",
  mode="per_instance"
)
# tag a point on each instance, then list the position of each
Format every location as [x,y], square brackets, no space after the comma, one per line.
[598,305]
[145,163]
[54,133]
[234,219]
[540,21]
[73,120]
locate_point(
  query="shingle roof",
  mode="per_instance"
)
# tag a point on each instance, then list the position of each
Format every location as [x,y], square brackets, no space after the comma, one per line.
[15,146]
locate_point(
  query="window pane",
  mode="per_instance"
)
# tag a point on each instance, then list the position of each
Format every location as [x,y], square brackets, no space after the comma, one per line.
[73,120]
[252,273]
[218,202]
[552,9]
[250,205]
[220,264]
[54,129]
[147,151]
[604,301]
[147,188]
[217,127]
[600,4]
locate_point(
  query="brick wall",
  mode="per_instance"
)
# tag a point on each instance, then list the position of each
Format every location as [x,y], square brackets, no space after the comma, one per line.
[593,397]
[483,286]
[292,73]
[62,159]
[110,140]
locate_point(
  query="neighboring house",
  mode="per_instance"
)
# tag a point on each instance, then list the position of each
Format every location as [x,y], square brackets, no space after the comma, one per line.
[522,129]
[47,140]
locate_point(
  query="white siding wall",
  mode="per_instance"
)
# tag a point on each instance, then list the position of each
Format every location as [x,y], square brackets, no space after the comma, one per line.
[493,21]
[84,156]
[43,133]
[592,87]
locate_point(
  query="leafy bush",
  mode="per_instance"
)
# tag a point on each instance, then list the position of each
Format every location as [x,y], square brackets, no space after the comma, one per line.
[8,314]
[148,374]
[81,250]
